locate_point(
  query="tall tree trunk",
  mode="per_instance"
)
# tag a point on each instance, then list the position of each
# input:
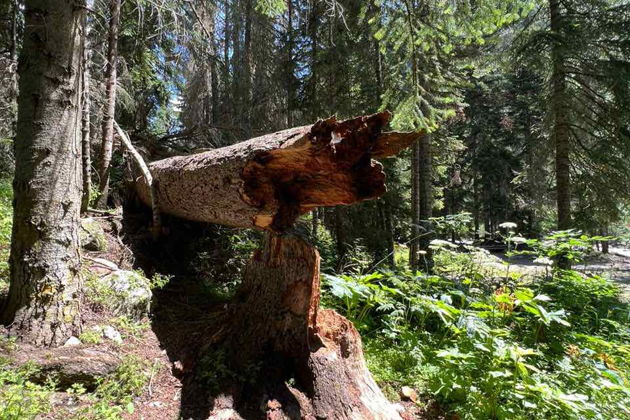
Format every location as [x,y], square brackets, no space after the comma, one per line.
[15,9]
[605,244]
[414,245]
[389,229]
[214,75]
[85,120]
[415,207]
[313,90]
[227,36]
[425,193]
[314,222]
[43,302]
[560,128]
[107,141]
[248,72]
[289,63]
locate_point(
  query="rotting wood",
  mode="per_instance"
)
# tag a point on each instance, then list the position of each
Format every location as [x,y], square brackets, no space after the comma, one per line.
[278,320]
[269,181]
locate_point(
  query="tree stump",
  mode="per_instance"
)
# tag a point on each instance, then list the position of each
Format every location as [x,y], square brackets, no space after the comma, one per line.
[314,357]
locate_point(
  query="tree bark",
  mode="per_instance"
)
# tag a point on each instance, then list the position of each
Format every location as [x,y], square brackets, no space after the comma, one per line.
[560,129]
[269,181]
[107,141]
[415,207]
[425,201]
[43,302]
[279,318]
[86,148]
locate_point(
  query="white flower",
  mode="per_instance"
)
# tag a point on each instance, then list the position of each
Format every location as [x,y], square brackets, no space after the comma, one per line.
[508,225]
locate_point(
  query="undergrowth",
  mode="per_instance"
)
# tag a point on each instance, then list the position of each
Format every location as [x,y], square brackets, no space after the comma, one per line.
[555,347]
[23,398]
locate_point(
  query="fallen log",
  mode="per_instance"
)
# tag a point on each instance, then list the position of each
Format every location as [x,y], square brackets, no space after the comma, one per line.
[269,181]
[313,360]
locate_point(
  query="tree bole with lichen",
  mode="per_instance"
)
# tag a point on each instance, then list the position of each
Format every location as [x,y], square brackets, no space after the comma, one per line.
[269,181]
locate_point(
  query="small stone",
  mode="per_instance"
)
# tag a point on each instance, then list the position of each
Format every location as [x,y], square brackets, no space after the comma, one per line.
[156,404]
[111,333]
[408,393]
[72,341]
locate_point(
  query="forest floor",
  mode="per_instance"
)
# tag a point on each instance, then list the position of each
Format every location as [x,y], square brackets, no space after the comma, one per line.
[157,366]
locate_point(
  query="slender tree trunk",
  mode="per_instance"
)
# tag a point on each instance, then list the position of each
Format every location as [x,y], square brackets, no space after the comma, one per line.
[314,222]
[214,75]
[560,128]
[226,56]
[15,8]
[43,302]
[605,244]
[289,65]
[425,193]
[107,143]
[248,68]
[313,90]
[391,246]
[85,120]
[414,246]
[415,207]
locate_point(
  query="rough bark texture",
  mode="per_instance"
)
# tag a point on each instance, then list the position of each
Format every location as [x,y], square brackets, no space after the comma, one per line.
[425,204]
[267,182]
[42,305]
[86,150]
[415,207]
[279,317]
[107,143]
[560,124]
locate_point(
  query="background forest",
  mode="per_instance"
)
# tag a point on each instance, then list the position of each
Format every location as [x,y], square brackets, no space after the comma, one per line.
[476,281]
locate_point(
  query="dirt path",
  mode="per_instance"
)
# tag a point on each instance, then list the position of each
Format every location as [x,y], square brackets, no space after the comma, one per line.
[614,265]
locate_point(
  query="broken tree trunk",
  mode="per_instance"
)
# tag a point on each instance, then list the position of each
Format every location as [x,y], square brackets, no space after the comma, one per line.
[278,320]
[269,181]
[313,360]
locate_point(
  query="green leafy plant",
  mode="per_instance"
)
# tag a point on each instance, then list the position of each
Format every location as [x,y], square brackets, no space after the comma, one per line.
[555,346]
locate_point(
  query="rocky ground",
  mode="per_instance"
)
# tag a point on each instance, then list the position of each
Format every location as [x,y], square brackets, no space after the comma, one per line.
[116,342]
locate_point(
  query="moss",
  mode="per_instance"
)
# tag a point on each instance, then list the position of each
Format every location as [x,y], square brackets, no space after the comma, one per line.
[92,235]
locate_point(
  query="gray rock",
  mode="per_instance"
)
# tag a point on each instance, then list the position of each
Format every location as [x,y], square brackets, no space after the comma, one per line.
[72,341]
[111,333]
[130,293]
[92,235]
